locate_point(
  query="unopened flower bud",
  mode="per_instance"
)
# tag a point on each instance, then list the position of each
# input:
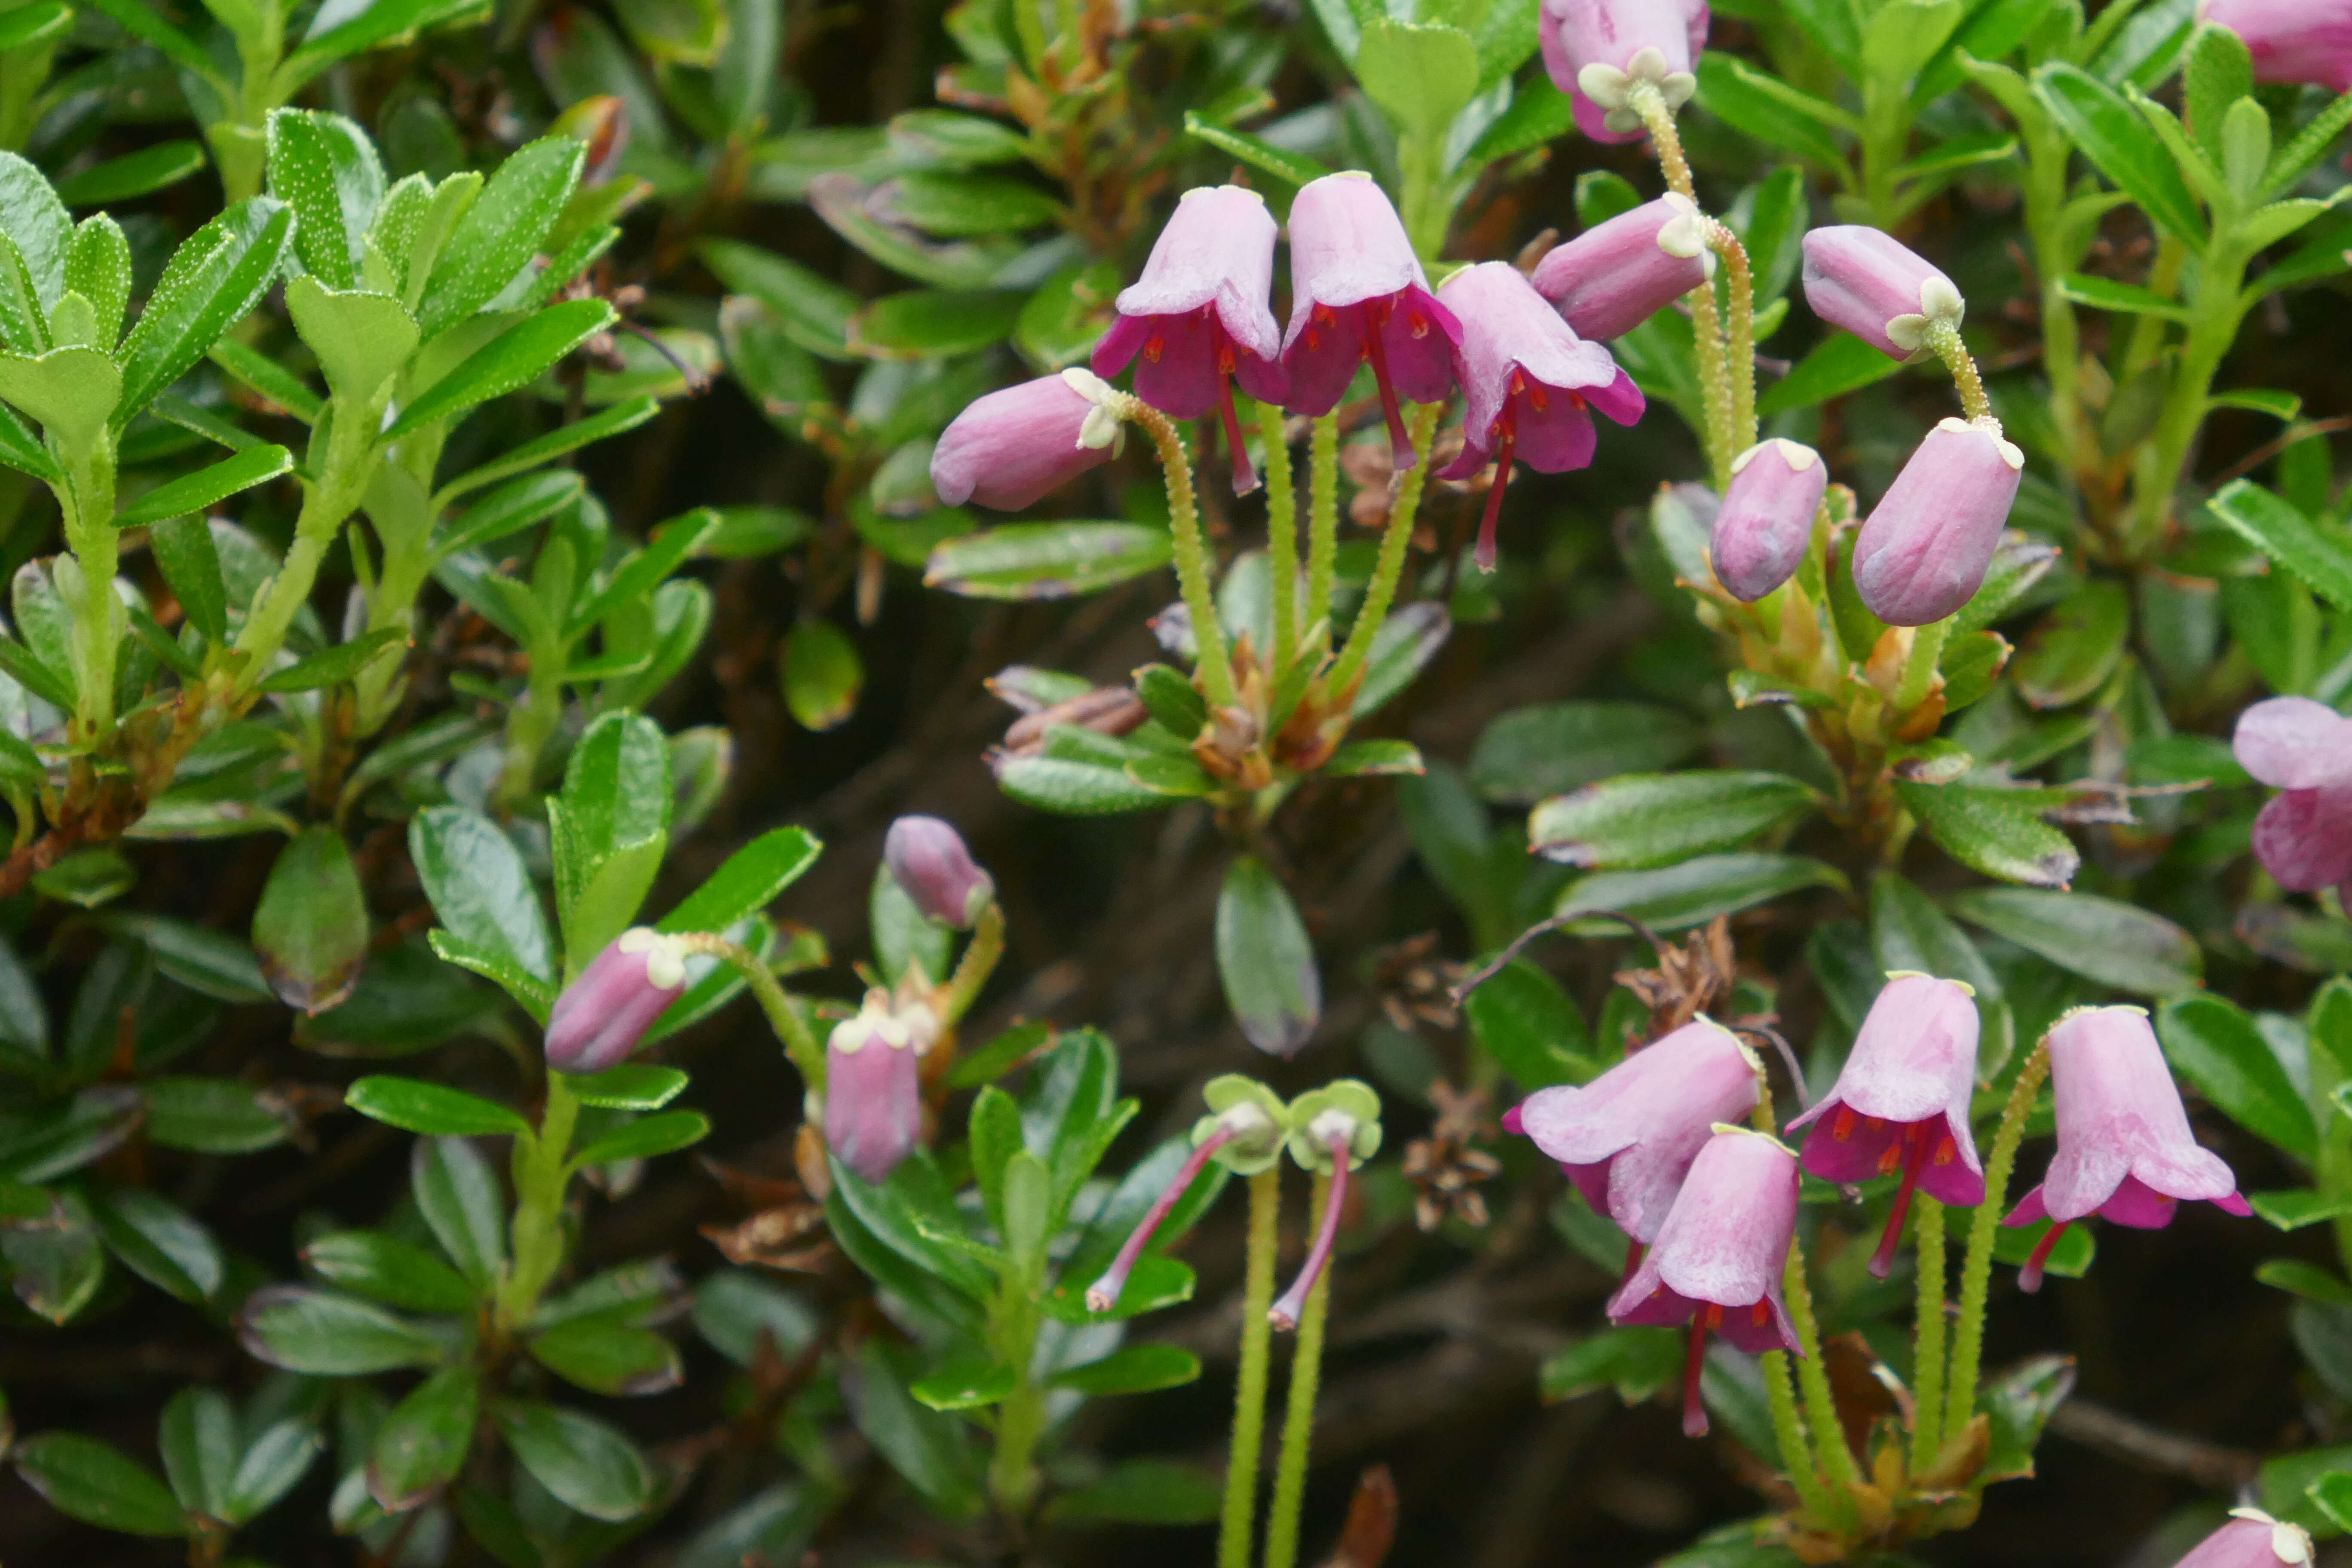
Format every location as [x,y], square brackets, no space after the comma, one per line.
[928,859]
[2291,40]
[873,1085]
[2252,1539]
[1924,551]
[1618,274]
[1015,446]
[1878,287]
[1767,517]
[1596,50]
[603,1015]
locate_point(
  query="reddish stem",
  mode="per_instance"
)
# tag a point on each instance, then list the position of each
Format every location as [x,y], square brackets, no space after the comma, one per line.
[1694,1411]
[2029,1278]
[1401,453]
[1284,1314]
[1882,1263]
[1104,1293]
[1244,477]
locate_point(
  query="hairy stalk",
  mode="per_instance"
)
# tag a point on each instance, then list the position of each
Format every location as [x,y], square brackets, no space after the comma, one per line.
[1945,339]
[1322,517]
[1976,1269]
[1390,569]
[1789,1430]
[1820,1407]
[1281,537]
[800,1042]
[1190,549]
[1298,1415]
[1739,352]
[1236,1529]
[1714,377]
[1927,1335]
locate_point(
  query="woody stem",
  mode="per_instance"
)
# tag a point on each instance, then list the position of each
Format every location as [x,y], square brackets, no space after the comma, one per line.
[1976,1269]
[1191,551]
[1388,570]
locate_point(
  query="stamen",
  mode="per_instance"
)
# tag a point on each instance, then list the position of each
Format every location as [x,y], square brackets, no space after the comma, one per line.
[2029,1278]
[1632,1257]
[1103,1294]
[1418,325]
[1285,1314]
[1401,453]
[1694,1411]
[1757,1313]
[1714,1314]
[1891,1156]
[1945,1150]
[1485,555]
[1915,1135]
[1244,477]
[1842,1127]
[1153,347]
[1537,399]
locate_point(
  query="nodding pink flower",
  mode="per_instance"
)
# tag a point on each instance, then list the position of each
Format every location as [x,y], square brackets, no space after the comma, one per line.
[2252,1539]
[1332,1131]
[2303,838]
[2291,40]
[2125,1151]
[1719,1259]
[1244,1131]
[1875,287]
[1200,317]
[874,1087]
[1924,551]
[1619,273]
[928,859]
[1901,1102]
[1767,517]
[1357,293]
[1528,385]
[1628,1138]
[1010,448]
[1596,49]
[603,1015]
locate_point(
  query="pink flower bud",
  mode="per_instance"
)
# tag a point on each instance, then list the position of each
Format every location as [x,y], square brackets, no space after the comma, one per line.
[1200,317]
[1924,551]
[1014,446]
[2125,1149]
[1596,49]
[2252,1539]
[1628,1138]
[1878,287]
[1618,274]
[2292,40]
[1527,381]
[1767,517]
[1718,1259]
[930,863]
[1901,1102]
[873,1085]
[603,1015]
[2304,836]
[1357,293]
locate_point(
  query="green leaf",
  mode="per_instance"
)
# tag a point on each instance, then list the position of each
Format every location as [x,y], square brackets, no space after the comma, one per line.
[643,572]
[1531,753]
[330,1335]
[822,673]
[326,169]
[607,830]
[217,277]
[1047,560]
[2283,531]
[197,1437]
[932,322]
[198,492]
[421,1445]
[202,959]
[1297,168]
[588,1466]
[961,207]
[499,234]
[965,1384]
[480,888]
[750,880]
[957,141]
[362,339]
[2125,298]
[645,1137]
[211,1116]
[311,930]
[71,392]
[812,310]
[457,1193]
[513,359]
[605,1357]
[510,508]
[390,1271]
[1693,893]
[929,1447]
[160,1242]
[1989,830]
[132,175]
[2107,129]
[1400,650]
[2216,72]
[1134,1369]
[1539,113]
[41,21]
[414,1106]
[37,222]
[2117,944]
[1143,1491]
[1367,759]
[335,664]
[1422,74]
[1522,1019]
[632,1086]
[605,422]
[98,1483]
[2215,1045]
[1655,820]
[1265,958]
[2070,653]
[380,22]
[1636,1362]
[2294,1210]
[1770,110]
[1840,362]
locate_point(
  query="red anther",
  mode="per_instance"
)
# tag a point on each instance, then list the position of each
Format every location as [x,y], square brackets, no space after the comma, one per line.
[1418,325]
[1842,1128]
[1153,347]
[1945,1151]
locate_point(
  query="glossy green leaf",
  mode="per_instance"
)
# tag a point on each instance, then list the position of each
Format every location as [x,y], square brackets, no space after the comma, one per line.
[1840,362]
[387,1269]
[327,1334]
[513,359]
[964,1385]
[200,492]
[311,930]
[480,888]
[362,339]
[160,1242]
[591,1468]
[1133,1369]
[608,829]
[1655,820]
[632,1086]
[499,234]
[1422,74]
[2117,944]
[98,1483]
[1047,560]
[1297,168]
[216,276]
[619,418]
[2105,128]
[459,1194]
[326,169]
[416,1106]
[421,1445]
[645,1137]
[2215,1045]
[1265,958]
[812,310]
[132,175]
[1521,1017]
[2287,535]
[605,1357]
[1531,753]
[2123,298]
[822,673]
[1992,831]
[211,1116]
[1693,893]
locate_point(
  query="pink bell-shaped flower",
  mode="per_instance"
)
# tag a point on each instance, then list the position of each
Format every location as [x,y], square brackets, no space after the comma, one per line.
[1620,272]
[1719,1257]
[1627,1138]
[2252,1539]
[1529,385]
[2125,1149]
[1767,517]
[2292,40]
[1596,50]
[1009,449]
[874,1087]
[1875,287]
[1199,315]
[1357,294]
[928,859]
[603,1015]
[1901,1102]
[2304,836]
[1925,550]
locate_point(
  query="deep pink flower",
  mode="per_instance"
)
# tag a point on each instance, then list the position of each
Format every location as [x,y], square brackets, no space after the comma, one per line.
[1719,1259]
[2291,40]
[1619,273]
[1199,315]
[2304,836]
[873,1085]
[1875,287]
[1016,444]
[2252,1539]
[1527,383]
[928,859]
[1924,551]
[2125,1151]
[1767,517]
[1627,1138]
[1657,41]
[1357,293]
[1901,1102]
[603,1015]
